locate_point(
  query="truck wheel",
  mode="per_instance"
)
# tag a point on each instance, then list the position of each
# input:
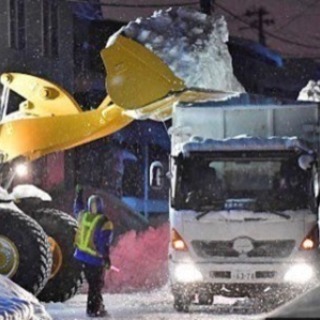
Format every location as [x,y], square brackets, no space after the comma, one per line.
[205,299]
[25,255]
[66,274]
[181,302]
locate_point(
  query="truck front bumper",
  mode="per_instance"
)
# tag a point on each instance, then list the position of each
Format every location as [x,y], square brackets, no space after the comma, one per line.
[299,272]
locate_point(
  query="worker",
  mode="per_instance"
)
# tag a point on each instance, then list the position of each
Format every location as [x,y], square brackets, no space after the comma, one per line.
[93,239]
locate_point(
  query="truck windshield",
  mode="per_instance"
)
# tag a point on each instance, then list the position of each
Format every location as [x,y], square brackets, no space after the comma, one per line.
[272,185]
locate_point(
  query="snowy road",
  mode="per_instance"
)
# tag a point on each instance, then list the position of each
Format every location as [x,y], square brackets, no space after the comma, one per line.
[156,305]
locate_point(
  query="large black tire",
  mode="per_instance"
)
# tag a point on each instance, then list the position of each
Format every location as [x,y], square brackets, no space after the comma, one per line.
[67,280]
[181,303]
[32,247]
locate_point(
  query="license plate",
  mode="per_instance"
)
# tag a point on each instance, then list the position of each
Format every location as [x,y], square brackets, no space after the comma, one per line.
[239,275]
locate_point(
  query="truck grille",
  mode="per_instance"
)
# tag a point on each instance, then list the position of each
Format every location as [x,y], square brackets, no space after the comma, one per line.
[271,249]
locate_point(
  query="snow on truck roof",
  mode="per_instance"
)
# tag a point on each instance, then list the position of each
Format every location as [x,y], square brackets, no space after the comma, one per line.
[244,143]
[246,100]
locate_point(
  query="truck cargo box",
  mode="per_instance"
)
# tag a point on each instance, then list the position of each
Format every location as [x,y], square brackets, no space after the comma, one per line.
[246,114]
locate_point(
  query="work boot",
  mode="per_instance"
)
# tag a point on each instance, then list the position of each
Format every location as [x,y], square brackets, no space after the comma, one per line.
[102,312]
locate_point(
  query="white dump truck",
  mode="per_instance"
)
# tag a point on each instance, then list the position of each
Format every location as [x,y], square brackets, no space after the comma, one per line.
[243,199]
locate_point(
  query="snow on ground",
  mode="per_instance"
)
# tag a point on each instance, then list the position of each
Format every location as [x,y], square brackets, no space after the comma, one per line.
[311,92]
[191,43]
[18,304]
[154,305]
[305,306]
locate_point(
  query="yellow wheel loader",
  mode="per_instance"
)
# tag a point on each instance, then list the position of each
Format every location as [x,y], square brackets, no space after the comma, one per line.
[140,86]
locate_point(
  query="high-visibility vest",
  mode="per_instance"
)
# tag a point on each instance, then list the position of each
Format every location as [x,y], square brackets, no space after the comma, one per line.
[85,235]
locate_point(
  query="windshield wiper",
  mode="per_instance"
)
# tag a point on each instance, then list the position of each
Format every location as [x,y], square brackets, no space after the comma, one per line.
[214,207]
[202,214]
[280,214]
[283,215]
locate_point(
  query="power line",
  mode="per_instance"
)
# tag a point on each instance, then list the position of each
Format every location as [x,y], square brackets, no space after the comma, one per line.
[267,32]
[125,5]
[297,16]
[260,22]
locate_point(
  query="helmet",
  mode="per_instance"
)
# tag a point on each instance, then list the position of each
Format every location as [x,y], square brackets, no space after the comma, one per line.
[95,204]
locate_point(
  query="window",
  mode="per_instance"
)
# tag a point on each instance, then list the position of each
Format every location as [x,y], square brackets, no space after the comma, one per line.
[50,28]
[17,24]
[272,184]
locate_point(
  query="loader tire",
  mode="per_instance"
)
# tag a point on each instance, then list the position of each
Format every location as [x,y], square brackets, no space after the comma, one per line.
[25,254]
[67,273]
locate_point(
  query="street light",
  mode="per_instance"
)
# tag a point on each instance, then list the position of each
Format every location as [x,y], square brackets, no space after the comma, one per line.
[21,170]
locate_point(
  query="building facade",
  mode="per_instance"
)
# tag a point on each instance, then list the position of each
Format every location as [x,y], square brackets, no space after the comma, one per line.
[37,38]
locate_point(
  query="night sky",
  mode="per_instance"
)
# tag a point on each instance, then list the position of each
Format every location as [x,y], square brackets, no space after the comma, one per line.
[296,22]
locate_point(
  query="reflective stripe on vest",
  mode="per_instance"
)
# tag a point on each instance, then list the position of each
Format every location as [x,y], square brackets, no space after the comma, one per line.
[84,238]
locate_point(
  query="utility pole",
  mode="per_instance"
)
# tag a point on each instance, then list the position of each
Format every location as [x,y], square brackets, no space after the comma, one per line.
[259,22]
[207,6]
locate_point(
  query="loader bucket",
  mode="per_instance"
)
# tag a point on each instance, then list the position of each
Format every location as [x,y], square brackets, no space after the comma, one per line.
[161,110]
[135,76]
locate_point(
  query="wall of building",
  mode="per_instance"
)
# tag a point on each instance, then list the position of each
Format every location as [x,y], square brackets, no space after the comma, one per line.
[32,58]
[37,37]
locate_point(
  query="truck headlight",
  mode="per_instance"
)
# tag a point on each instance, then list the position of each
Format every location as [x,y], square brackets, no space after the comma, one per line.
[299,273]
[187,273]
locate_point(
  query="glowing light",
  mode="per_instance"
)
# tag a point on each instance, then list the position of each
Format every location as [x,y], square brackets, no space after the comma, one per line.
[187,273]
[178,245]
[300,273]
[177,241]
[21,170]
[307,244]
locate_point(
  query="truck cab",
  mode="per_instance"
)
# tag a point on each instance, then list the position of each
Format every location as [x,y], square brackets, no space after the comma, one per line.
[244,199]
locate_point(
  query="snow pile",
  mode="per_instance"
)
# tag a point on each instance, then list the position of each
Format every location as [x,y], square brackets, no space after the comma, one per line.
[16,303]
[6,201]
[243,143]
[191,43]
[24,191]
[9,206]
[4,195]
[29,191]
[142,259]
[311,92]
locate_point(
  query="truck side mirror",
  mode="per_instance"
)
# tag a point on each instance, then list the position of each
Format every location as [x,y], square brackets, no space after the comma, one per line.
[156,175]
[315,190]
[305,161]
